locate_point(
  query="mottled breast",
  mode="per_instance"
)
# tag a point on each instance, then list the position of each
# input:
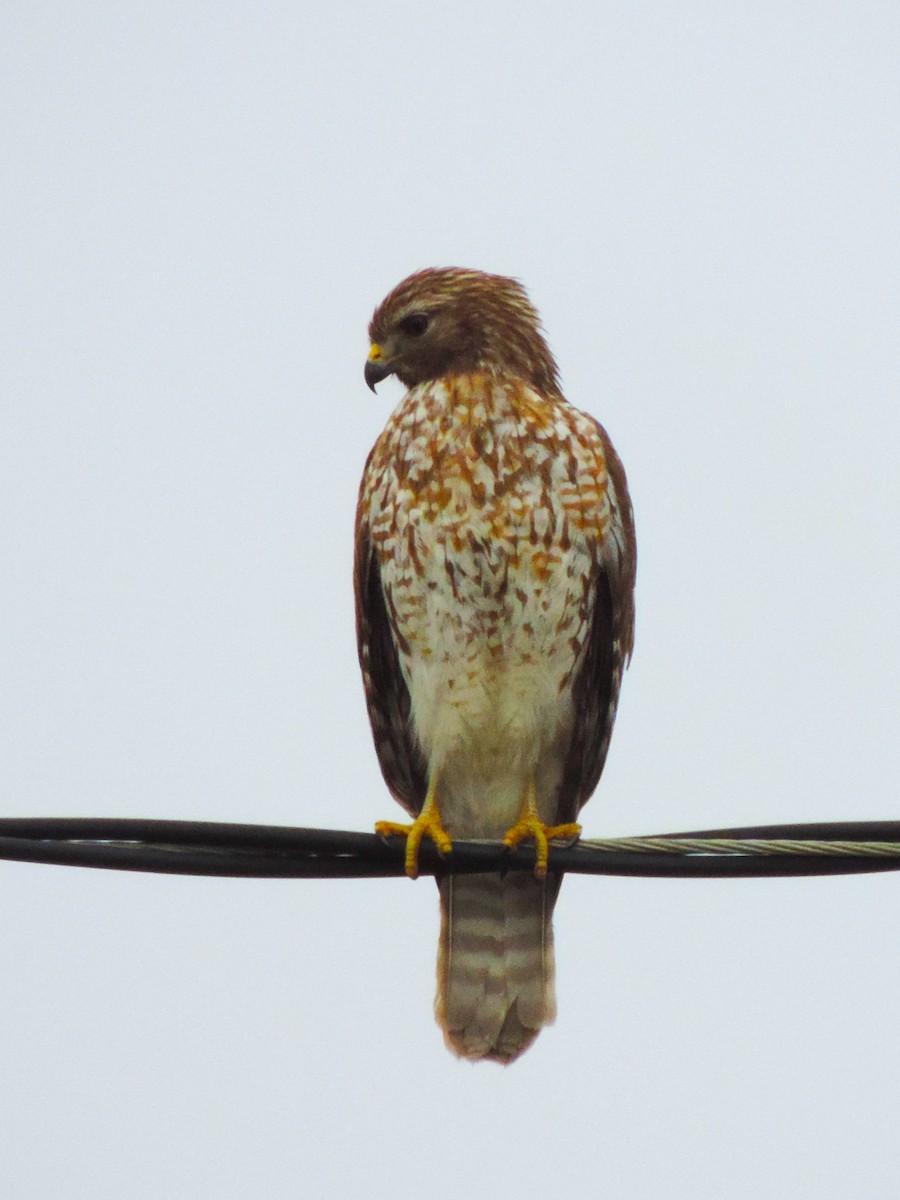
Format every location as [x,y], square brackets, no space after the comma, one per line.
[488,507]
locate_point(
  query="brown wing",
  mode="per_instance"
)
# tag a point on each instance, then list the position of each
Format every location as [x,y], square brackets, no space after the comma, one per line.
[608,648]
[402,763]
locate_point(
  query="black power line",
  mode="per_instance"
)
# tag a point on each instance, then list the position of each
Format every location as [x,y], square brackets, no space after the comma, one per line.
[283,852]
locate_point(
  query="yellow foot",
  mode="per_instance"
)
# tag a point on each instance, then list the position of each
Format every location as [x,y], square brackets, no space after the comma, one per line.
[426,824]
[529,826]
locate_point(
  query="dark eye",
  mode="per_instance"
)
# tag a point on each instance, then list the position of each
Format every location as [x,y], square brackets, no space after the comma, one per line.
[415,324]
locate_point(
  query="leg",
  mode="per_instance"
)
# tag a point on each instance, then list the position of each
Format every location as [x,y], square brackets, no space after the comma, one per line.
[529,825]
[427,824]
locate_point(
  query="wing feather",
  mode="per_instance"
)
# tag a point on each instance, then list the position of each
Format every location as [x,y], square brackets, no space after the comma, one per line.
[610,601]
[387,696]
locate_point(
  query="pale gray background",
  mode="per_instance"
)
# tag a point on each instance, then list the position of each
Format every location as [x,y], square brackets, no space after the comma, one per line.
[201,206]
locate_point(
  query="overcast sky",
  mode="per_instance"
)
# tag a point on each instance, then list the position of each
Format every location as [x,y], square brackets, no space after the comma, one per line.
[201,205]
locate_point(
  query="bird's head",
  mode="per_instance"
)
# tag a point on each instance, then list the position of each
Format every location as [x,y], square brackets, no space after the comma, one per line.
[451,320]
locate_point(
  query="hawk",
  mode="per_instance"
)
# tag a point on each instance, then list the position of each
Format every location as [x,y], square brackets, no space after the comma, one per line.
[494,581]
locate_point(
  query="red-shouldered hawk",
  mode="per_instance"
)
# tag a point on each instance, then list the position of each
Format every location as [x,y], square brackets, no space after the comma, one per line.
[494,577]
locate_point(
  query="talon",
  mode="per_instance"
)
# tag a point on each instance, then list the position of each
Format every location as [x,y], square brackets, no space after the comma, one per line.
[529,825]
[388,829]
[427,824]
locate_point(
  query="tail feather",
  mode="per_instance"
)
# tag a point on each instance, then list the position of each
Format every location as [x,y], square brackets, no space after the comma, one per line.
[495,964]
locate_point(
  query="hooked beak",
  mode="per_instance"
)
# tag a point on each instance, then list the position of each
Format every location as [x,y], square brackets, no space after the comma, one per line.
[376,368]
[375,372]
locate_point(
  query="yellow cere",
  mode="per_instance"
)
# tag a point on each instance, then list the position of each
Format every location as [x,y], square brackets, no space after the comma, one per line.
[374,352]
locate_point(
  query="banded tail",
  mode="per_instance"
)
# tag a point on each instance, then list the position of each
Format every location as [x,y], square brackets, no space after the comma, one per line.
[495,963]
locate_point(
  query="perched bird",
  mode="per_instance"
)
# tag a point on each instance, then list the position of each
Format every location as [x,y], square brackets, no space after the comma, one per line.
[494,581]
